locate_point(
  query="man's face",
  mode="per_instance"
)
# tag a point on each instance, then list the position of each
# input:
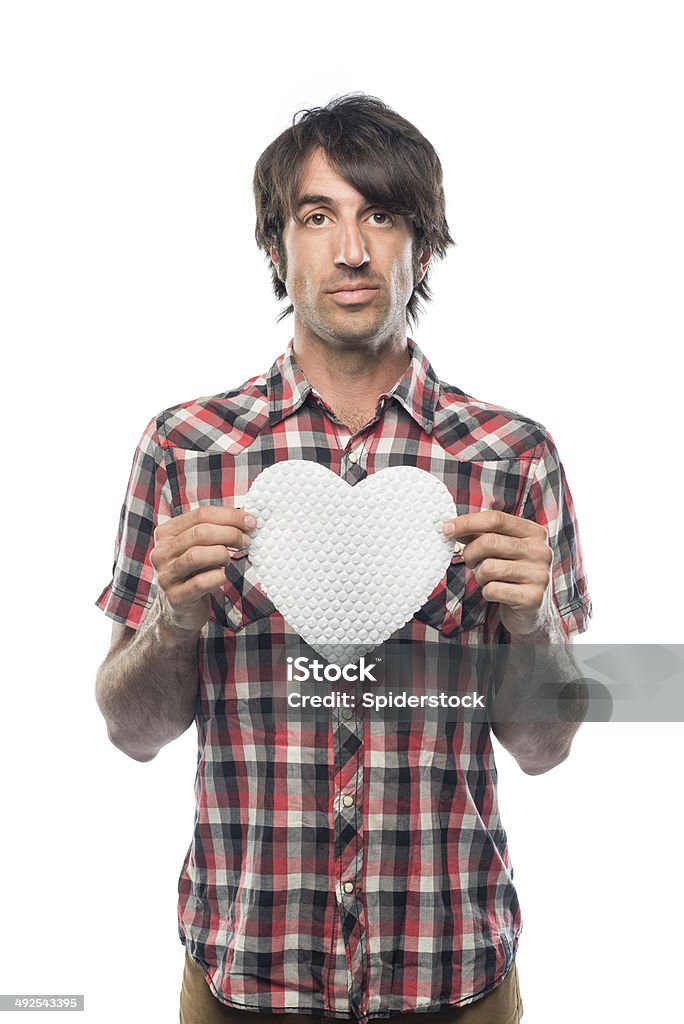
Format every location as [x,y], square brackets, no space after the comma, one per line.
[349,266]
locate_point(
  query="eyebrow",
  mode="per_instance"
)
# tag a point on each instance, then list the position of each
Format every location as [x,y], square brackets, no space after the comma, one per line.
[311,200]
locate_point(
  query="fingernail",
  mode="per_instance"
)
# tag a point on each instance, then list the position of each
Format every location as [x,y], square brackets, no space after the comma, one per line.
[247,540]
[449,528]
[250,522]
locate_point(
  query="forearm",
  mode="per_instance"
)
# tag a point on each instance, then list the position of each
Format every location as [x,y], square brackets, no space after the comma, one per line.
[147,688]
[542,699]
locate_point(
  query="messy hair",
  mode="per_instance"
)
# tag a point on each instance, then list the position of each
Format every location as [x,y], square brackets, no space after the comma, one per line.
[379,153]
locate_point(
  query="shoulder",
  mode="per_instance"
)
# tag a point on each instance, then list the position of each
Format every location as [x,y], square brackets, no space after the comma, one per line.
[227,422]
[473,429]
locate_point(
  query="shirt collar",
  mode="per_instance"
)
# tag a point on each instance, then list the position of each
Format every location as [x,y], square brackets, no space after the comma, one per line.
[417,389]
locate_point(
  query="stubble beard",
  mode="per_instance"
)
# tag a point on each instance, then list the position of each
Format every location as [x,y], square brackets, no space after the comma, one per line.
[347,327]
[378,322]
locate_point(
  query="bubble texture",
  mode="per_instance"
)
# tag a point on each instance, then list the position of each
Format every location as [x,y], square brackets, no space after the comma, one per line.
[348,566]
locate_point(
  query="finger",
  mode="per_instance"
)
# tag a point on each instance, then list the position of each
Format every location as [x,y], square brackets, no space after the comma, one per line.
[505,570]
[520,596]
[199,535]
[472,524]
[195,560]
[218,515]
[192,590]
[498,545]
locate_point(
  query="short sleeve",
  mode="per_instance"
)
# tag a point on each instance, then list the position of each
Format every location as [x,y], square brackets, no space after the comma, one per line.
[549,502]
[147,504]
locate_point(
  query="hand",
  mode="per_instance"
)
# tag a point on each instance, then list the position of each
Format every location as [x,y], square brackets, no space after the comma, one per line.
[189,559]
[512,561]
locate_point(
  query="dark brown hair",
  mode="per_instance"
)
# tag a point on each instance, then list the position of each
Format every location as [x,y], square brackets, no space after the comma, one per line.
[380,154]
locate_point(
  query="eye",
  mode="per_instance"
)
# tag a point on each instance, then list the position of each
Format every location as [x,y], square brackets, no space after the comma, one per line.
[316,220]
[381,218]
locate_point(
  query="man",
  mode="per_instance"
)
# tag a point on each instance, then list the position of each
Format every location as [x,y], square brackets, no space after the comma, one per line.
[293,897]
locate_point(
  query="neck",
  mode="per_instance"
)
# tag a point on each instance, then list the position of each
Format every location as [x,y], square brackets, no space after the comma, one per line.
[351,378]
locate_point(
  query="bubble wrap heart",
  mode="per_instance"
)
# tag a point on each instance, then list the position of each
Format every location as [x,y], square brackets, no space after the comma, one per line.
[348,566]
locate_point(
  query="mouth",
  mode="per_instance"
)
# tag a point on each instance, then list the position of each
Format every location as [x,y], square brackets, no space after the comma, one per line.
[354,296]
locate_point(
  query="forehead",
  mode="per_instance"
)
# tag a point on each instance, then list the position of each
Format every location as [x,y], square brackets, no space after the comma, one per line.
[319,177]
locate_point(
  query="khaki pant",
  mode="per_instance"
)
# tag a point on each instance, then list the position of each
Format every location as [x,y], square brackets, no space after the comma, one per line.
[199,1005]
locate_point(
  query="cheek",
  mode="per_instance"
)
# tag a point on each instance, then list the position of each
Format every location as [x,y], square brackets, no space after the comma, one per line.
[301,285]
[403,273]
[301,267]
[298,276]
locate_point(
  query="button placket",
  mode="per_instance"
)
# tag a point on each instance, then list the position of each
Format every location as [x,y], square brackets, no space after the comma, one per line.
[348,780]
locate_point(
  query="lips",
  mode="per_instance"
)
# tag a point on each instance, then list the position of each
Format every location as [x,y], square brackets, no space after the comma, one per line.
[359,293]
[354,286]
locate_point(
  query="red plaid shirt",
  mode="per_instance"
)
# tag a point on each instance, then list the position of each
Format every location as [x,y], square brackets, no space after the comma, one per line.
[336,871]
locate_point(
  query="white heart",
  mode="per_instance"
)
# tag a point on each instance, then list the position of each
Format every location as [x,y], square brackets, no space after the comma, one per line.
[348,566]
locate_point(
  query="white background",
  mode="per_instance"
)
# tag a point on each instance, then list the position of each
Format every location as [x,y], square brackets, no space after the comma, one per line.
[131,282]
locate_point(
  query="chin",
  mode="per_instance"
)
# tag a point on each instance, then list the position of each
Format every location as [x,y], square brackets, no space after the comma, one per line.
[358,328]
[350,328]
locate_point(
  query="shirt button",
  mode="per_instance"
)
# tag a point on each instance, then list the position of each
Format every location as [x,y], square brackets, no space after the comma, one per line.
[347,712]
[347,800]
[348,887]
[353,457]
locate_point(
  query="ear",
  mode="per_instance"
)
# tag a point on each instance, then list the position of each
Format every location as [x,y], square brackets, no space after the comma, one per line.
[272,252]
[425,257]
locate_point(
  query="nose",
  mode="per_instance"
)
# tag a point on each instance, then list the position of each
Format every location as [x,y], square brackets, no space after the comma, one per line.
[351,245]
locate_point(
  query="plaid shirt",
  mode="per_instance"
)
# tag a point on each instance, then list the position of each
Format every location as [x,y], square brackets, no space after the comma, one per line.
[331,872]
